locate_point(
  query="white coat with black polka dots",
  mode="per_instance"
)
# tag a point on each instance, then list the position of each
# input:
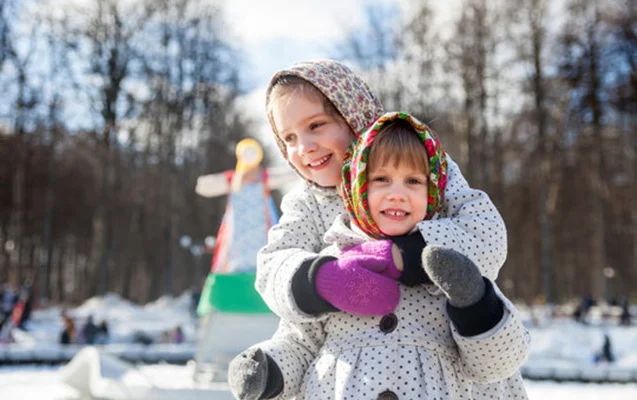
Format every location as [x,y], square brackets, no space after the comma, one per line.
[468,223]
[413,353]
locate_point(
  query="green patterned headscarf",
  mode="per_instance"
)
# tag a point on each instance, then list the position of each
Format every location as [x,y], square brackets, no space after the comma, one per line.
[355,172]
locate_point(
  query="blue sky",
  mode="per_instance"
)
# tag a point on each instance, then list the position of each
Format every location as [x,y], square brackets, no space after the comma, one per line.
[276,33]
[268,56]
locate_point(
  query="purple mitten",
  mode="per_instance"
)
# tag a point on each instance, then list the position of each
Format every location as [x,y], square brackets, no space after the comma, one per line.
[355,289]
[373,255]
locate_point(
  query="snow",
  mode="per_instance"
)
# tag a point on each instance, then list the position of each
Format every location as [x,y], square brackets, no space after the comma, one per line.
[576,344]
[29,382]
[123,317]
[562,342]
[559,345]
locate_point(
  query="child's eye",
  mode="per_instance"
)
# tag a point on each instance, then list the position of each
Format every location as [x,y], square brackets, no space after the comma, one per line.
[414,181]
[289,138]
[379,178]
[315,125]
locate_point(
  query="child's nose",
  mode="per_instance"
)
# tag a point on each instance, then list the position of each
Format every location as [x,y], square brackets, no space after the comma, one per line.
[306,146]
[397,192]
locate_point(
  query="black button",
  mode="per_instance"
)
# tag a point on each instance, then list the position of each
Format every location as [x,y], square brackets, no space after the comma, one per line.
[388,323]
[387,395]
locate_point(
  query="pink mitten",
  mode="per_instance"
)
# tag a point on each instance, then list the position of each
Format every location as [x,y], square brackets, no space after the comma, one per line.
[357,284]
[373,255]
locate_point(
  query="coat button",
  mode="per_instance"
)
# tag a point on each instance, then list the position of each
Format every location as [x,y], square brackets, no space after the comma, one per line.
[388,323]
[387,395]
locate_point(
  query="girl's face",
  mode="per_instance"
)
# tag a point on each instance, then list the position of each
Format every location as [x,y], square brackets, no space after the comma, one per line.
[397,196]
[316,142]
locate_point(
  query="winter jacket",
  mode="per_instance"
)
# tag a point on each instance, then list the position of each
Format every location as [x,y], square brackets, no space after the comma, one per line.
[467,222]
[413,353]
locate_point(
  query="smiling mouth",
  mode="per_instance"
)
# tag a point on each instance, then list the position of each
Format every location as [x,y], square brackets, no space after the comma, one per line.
[395,213]
[320,162]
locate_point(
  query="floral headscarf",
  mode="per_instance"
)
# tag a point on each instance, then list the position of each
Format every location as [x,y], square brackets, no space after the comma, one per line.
[355,172]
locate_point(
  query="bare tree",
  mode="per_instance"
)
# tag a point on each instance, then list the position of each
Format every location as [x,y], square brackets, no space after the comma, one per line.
[530,19]
[26,98]
[101,39]
[581,67]
[375,49]
[471,51]
[192,77]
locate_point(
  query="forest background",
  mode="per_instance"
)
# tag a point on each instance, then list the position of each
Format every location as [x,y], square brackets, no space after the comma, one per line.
[111,109]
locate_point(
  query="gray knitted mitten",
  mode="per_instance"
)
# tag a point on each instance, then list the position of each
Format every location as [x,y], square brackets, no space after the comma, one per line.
[455,274]
[248,374]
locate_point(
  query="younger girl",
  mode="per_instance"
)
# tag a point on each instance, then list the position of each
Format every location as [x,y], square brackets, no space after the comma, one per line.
[315,110]
[457,338]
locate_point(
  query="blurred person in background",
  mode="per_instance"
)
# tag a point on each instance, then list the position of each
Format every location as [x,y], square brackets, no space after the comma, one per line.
[177,335]
[7,301]
[89,331]
[101,337]
[27,296]
[625,317]
[605,355]
[67,336]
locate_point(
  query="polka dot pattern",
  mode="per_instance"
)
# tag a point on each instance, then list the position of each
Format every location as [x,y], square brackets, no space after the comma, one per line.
[468,222]
[350,357]
[344,356]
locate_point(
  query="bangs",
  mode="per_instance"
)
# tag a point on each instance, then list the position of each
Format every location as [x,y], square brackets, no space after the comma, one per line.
[399,144]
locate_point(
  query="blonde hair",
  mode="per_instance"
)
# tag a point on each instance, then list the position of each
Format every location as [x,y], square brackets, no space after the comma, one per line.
[398,143]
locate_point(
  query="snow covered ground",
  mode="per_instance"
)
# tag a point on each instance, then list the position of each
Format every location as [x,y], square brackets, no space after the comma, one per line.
[124,318]
[559,345]
[41,383]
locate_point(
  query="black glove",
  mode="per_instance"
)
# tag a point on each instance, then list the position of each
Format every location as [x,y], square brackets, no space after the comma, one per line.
[411,246]
[304,290]
[253,375]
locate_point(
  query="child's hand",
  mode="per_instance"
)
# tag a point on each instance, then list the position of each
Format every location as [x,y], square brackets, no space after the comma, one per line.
[358,284]
[410,248]
[398,258]
[253,375]
[473,305]
[455,274]
[375,254]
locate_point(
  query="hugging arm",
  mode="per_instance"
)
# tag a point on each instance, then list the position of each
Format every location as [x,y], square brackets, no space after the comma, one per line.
[274,368]
[300,284]
[293,244]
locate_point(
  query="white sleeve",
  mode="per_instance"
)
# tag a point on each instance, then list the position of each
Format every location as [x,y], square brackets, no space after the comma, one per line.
[212,185]
[295,239]
[468,223]
[498,353]
[293,348]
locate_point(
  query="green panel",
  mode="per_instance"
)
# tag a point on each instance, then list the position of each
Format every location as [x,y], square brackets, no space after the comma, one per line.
[231,293]
[204,306]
